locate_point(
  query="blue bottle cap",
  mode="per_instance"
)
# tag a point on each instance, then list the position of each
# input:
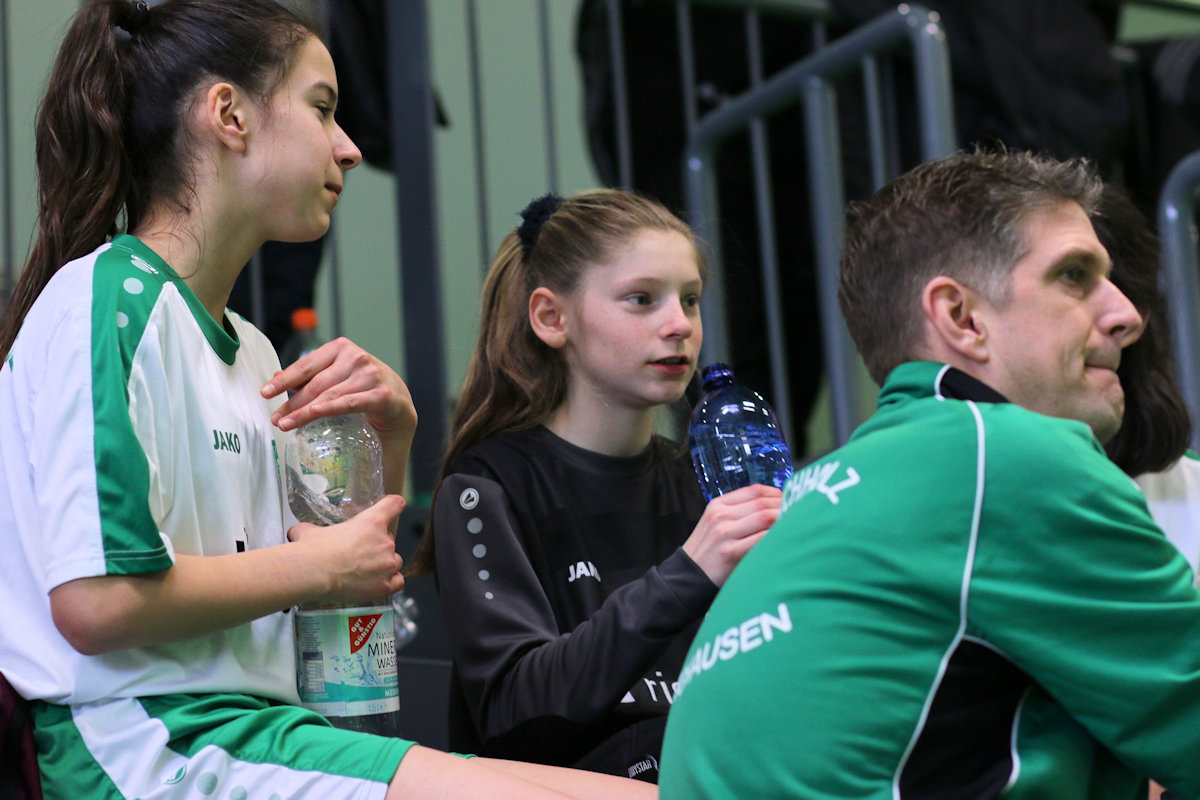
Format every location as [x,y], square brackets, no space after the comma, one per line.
[714,375]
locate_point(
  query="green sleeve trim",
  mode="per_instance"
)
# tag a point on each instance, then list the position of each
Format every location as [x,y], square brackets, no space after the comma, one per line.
[124,295]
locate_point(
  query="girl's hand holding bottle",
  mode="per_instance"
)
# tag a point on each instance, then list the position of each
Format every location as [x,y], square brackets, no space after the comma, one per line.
[732,523]
[340,377]
[359,555]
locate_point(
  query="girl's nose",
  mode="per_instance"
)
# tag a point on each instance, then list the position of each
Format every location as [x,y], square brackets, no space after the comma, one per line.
[679,325]
[345,151]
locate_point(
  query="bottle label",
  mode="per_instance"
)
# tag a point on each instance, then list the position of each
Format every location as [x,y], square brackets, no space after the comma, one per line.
[346,660]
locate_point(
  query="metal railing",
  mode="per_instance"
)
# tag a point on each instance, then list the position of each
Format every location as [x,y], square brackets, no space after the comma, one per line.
[419,232]
[412,118]
[810,82]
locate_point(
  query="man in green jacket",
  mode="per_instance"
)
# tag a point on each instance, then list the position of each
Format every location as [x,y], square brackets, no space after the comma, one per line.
[968,600]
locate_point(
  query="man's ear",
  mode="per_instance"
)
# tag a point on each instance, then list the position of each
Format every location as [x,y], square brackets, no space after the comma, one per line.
[952,319]
[547,317]
[226,112]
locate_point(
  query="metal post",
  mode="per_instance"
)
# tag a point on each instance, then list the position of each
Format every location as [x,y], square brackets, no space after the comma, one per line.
[912,24]
[410,93]
[477,130]
[876,132]
[700,200]
[334,254]
[931,63]
[258,314]
[767,246]
[828,193]
[1176,228]
[616,49]
[687,63]
[548,97]
[891,117]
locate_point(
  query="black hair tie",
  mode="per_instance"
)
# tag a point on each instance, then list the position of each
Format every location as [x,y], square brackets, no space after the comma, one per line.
[535,215]
[134,20]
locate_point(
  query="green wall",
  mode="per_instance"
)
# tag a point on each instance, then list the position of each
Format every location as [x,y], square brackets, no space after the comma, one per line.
[34,29]
[1153,22]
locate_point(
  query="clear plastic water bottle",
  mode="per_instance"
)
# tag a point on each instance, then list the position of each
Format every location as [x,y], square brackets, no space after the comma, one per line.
[404,612]
[345,655]
[734,437]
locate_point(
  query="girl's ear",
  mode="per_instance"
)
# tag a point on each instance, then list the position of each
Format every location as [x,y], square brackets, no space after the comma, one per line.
[225,111]
[547,317]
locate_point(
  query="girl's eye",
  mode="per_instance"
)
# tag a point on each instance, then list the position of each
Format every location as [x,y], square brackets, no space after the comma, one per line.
[639,299]
[326,111]
[691,301]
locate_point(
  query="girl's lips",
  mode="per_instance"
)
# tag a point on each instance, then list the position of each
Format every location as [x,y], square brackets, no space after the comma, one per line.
[672,366]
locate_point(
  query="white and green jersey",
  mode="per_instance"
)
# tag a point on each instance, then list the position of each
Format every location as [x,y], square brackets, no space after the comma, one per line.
[967,600]
[132,429]
[1174,499]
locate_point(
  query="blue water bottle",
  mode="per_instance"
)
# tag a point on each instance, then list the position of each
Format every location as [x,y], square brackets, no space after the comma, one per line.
[734,437]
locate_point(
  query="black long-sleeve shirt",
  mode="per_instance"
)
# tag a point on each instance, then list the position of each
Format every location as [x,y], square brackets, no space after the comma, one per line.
[568,600]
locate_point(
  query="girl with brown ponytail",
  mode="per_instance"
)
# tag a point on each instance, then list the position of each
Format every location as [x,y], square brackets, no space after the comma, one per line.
[573,550]
[147,553]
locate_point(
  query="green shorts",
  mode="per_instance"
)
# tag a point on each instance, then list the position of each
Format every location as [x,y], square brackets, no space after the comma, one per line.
[227,746]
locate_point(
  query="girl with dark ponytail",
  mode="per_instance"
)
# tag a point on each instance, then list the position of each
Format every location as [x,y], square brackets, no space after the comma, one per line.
[574,553]
[147,549]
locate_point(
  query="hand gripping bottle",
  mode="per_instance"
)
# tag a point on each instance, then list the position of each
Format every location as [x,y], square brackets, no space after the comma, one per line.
[345,655]
[734,437]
